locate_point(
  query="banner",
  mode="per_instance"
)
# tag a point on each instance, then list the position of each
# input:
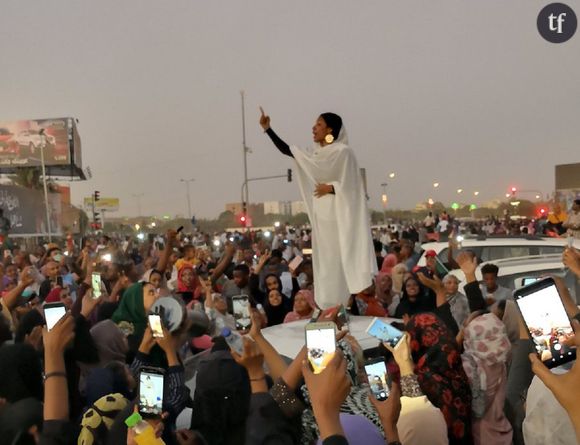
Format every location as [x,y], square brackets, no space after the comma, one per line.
[21,144]
[26,212]
[107,204]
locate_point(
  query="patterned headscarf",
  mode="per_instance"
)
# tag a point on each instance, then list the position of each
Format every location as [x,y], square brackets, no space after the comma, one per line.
[357,402]
[440,373]
[486,344]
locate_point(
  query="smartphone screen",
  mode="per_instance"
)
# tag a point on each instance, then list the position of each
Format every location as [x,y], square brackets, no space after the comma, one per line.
[307,251]
[547,322]
[52,313]
[295,263]
[384,332]
[96,285]
[151,392]
[321,344]
[241,309]
[155,324]
[377,377]
[529,280]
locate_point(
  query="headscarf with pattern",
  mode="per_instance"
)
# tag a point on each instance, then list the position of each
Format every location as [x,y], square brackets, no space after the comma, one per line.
[485,344]
[440,374]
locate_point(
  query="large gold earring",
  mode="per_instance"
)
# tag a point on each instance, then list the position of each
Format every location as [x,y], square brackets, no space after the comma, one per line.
[329,138]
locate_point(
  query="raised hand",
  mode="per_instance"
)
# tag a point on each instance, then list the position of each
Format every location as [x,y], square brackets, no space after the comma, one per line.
[389,411]
[468,263]
[571,259]
[264,120]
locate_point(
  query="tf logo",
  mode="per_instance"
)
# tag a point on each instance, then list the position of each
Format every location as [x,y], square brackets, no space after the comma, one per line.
[557,23]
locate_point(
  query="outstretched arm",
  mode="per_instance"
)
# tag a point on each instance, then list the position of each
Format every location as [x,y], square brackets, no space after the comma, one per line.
[279,143]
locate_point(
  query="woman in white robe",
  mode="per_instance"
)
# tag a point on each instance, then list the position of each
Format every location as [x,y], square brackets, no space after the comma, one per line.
[332,188]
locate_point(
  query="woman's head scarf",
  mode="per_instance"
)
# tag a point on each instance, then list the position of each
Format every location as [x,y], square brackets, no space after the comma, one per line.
[440,372]
[389,262]
[99,418]
[356,403]
[110,342]
[130,315]
[485,344]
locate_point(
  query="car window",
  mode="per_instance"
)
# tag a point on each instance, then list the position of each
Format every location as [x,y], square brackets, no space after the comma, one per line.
[499,252]
[549,250]
[509,281]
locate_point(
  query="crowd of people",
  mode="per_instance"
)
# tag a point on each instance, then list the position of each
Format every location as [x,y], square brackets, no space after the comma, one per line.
[459,376]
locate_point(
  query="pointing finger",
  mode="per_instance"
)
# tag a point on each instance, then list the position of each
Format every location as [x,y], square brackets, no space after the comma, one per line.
[262,111]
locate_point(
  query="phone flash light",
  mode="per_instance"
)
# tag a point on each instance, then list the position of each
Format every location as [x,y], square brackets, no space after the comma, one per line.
[216,242]
[106,257]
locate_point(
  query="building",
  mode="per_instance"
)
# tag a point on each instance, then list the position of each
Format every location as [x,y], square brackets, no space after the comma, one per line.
[287,208]
[567,183]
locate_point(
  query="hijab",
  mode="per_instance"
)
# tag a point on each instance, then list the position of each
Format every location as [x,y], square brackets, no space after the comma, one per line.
[486,344]
[110,342]
[293,315]
[194,288]
[357,402]
[276,314]
[130,315]
[17,418]
[441,375]
[389,262]
[406,306]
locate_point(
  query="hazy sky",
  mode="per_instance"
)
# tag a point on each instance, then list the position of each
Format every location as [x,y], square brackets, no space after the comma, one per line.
[461,92]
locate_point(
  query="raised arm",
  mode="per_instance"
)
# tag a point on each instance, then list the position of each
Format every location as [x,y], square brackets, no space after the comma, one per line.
[279,143]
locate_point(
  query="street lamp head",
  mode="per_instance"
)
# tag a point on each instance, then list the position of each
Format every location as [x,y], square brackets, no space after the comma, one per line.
[459,190]
[392,175]
[435,184]
[476,193]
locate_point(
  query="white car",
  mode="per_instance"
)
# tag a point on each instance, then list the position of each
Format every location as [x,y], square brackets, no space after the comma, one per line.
[497,248]
[517,272]
[33,140]
[289,338]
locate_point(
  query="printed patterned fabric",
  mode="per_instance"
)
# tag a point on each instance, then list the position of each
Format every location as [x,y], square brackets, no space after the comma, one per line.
[486,344]
[440,374]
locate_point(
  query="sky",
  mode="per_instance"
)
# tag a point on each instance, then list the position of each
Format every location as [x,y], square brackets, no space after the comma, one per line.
[466,94]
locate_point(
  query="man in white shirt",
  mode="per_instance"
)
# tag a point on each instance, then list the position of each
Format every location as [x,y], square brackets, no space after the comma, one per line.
[492,291]
[573,221]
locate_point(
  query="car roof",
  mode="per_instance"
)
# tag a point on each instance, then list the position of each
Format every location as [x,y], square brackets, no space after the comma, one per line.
[288,338]
[512,266]
[500,241]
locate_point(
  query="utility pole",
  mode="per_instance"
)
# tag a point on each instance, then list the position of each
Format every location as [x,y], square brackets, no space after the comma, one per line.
[187,182]
[44,185]
[138,196]
[246,197]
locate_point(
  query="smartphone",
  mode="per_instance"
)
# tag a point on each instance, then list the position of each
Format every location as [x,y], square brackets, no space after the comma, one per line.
[384,332]
[547,322]
[315,315]
[156,326]
[52,313]
[526,281]
[59,281]
[336,314]
[377,376]
[321,344]
[307,251]
[295,263]
[151,382]
[241,310]
[179,229]
[96,285]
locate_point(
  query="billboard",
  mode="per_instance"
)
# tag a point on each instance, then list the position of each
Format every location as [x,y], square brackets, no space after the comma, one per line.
[568,177]
[26,212]
[107,204]
[21,143]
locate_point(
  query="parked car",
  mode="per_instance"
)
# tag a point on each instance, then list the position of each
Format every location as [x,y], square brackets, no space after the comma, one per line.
[500,247]
[517,272]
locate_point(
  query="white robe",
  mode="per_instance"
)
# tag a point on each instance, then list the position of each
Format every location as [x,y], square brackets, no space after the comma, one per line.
[342,249]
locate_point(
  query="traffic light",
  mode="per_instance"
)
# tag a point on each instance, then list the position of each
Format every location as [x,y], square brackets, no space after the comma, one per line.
[543,212]
[289,175]
[514,190]
[96,196]
[243,220]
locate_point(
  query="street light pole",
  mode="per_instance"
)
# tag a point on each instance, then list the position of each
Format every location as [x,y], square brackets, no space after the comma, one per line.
[138,197]
[187,182]
[47,208]
[246,198]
